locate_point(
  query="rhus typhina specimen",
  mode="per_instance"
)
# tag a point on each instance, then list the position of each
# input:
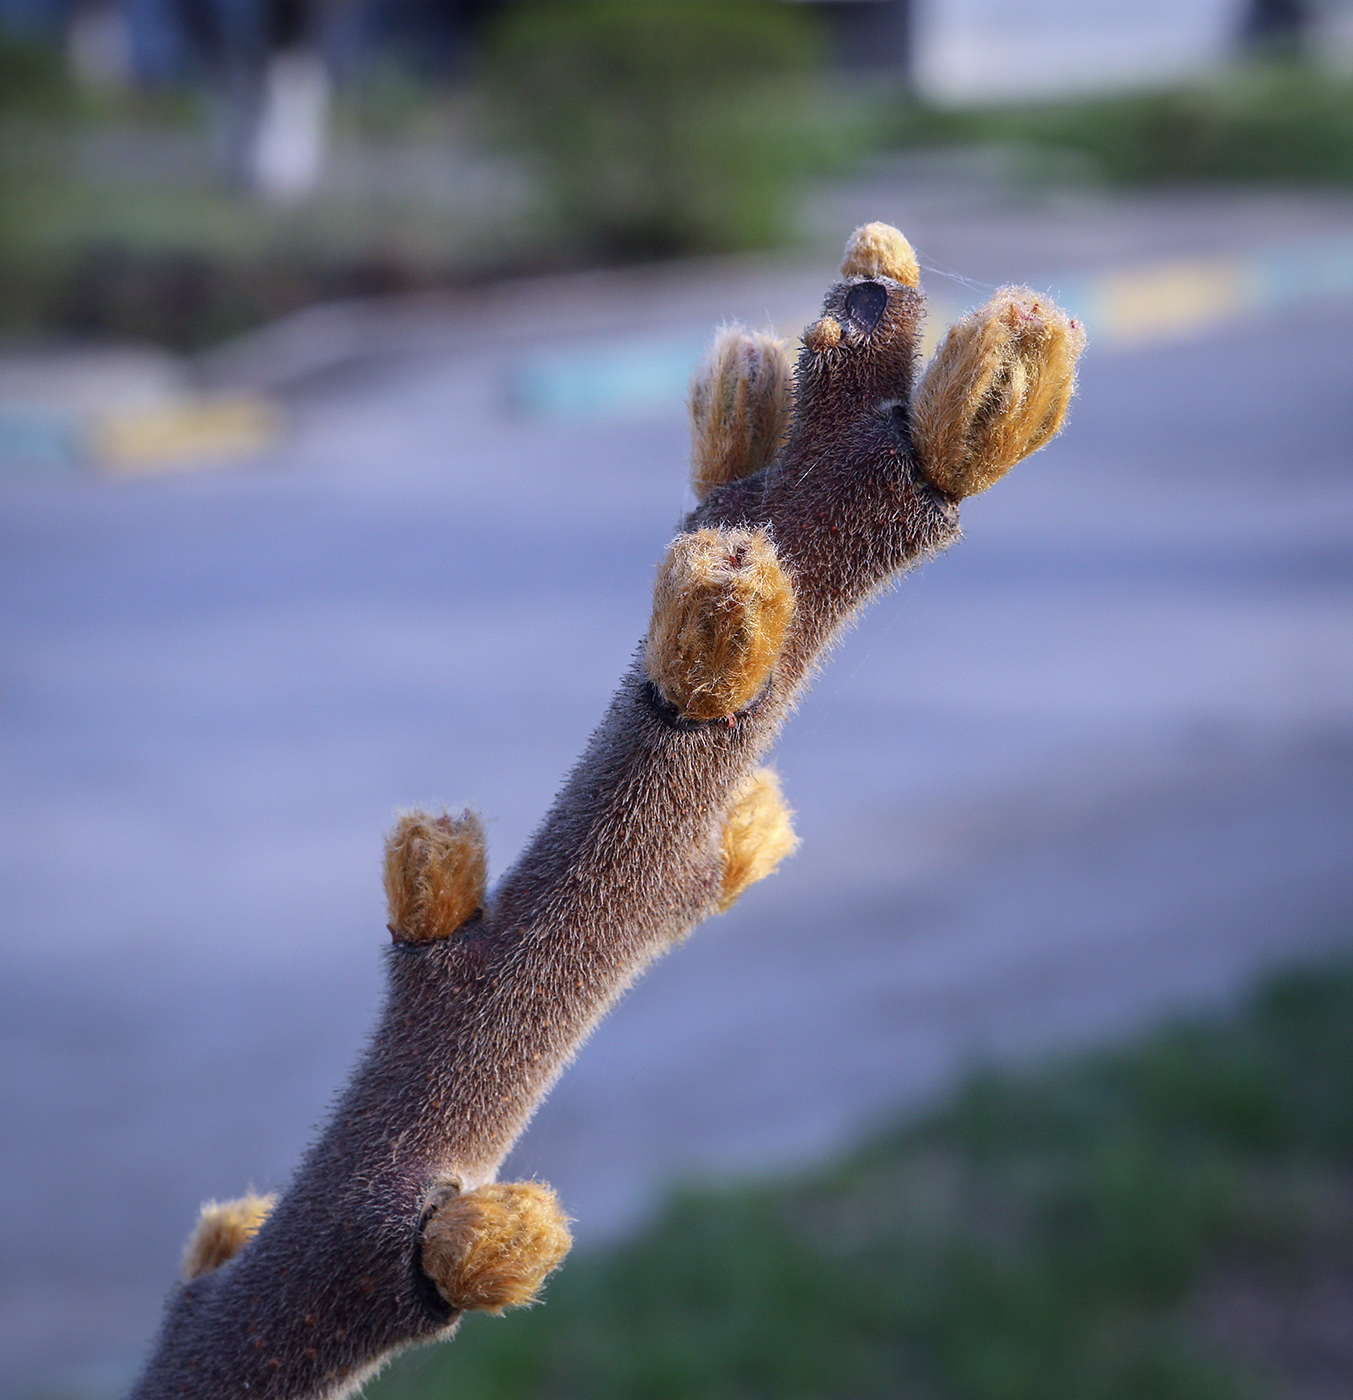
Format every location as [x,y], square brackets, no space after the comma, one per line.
[816,490]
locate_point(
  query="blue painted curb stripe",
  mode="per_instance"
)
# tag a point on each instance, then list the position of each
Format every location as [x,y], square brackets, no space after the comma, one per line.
[38,443]
[606,380]
[1135,306]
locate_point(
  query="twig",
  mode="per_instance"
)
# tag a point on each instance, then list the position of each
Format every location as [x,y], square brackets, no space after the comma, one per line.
[393,1224]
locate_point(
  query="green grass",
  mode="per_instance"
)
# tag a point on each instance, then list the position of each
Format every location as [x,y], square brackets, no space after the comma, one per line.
[187,264]
[1080,1233]
[1285,122]
[88,245]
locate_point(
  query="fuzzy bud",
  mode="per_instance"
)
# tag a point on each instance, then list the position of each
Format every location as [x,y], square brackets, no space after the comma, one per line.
[435,873]
[823,334]
[758,834]
[997,389]
[493,1248]
[741,400]
[222,1230]
[721,608]
[879,250]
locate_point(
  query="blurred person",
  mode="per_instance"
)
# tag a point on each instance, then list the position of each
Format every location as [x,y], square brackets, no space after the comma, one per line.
[98,43]
[1276,26]
[264,61]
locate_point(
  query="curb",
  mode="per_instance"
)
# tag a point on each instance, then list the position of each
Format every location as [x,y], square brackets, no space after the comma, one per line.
[1123,309]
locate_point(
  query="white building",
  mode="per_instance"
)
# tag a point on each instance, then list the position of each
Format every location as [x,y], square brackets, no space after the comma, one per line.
[960,51]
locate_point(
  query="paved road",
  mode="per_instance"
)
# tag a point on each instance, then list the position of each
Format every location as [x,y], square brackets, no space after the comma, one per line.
[1093,765]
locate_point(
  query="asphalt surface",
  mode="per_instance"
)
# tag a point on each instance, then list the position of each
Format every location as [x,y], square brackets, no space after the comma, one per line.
[1091,768]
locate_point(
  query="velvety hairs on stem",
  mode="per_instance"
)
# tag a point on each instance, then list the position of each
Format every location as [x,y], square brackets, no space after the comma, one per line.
[816,490]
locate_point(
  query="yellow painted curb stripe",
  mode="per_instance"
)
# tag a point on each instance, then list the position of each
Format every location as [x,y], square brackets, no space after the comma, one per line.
[182,436]
[1170,299]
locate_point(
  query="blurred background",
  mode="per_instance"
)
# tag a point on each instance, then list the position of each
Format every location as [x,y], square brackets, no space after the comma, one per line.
[343,351]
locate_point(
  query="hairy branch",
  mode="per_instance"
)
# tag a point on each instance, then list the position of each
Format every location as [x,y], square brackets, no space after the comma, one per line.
[394,1224]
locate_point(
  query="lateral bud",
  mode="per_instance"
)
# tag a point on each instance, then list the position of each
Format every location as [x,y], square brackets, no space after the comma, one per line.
[493,1248]
[758,834]
[721,608]
[997,389]
[742,397]
[222,1230]
[435,874]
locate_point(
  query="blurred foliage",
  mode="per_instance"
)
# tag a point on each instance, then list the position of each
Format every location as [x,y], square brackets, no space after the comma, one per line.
[33,79]
[660,127]
[635,128]
[115,217]
[1168,1222]
[1286,121]
[33,87]
[666,126]
[186,264]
